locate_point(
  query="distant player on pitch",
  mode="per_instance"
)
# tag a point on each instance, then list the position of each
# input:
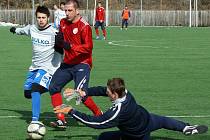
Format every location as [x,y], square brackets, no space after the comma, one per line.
[125,17]
[99,21]
[45,59]
[59,14]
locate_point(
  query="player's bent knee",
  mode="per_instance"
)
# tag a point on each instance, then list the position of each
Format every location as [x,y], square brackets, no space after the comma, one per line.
[96,26]
[53,90]
[27,94]
[38,88]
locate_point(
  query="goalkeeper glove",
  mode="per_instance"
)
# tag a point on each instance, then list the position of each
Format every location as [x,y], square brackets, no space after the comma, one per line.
[71,93]
[63,109]
[12,30]
[59,40]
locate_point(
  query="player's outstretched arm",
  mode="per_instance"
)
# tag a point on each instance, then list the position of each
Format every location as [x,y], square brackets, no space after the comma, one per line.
[70,92]
[21,31]
[63,109]
[92,91]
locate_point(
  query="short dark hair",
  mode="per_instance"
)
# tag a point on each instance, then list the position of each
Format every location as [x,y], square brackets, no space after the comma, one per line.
[75,2]
[62,3]
[43,9]
[117,85]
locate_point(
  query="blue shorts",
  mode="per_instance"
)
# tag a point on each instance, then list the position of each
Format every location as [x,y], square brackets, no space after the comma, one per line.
[79,73]
[40,77]
[98,23]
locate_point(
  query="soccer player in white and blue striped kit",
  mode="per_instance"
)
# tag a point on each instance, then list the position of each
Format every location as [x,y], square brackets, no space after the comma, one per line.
[46,58]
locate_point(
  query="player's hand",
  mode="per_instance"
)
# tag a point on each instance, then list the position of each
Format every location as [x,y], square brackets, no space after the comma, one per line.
[81,93]
[12,30]
[70,92]
[59,41]
[101,21]
[63,109]
[59,38]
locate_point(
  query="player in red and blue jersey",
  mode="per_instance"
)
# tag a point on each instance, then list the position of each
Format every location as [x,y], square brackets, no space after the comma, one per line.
[75,37]
[99,21]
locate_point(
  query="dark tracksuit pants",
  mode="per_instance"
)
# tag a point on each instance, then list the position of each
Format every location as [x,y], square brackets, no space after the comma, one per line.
[156,122]
[80,73]
[125,22]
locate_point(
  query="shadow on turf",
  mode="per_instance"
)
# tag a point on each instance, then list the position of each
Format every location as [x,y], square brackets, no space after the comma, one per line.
[94,137]
[26,115]
[46,117]
[163,138]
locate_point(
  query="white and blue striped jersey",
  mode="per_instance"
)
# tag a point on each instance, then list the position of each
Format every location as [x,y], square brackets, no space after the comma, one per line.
[58,15]
[44,55]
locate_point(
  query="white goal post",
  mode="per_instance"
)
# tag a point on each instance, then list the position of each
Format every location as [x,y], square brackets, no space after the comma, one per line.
[33,12]
[195,10]
[107,13]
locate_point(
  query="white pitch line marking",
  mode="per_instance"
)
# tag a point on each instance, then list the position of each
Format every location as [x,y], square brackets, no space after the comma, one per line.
[118,43]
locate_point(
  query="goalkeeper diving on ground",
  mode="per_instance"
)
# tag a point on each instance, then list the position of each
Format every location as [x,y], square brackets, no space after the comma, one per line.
[133,120]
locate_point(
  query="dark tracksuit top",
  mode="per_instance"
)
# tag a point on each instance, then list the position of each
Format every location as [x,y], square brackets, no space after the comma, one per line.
[131,118]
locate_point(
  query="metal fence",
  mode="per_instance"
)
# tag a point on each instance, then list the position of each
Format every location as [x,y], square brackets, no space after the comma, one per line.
[16,16]
[138,18]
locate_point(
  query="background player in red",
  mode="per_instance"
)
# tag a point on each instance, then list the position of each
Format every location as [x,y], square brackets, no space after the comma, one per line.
[75,37]
[100,17]
[125,17]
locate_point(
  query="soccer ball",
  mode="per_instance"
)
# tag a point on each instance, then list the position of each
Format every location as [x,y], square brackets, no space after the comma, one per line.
[36,130]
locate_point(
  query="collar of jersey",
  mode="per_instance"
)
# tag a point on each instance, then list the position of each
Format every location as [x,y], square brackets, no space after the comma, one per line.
[44,28]
[119,100]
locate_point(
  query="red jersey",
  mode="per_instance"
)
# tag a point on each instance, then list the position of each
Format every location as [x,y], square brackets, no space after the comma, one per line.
[100,14]
[79,35]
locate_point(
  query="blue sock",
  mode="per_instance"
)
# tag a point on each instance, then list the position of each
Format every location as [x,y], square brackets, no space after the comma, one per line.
[35,105]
